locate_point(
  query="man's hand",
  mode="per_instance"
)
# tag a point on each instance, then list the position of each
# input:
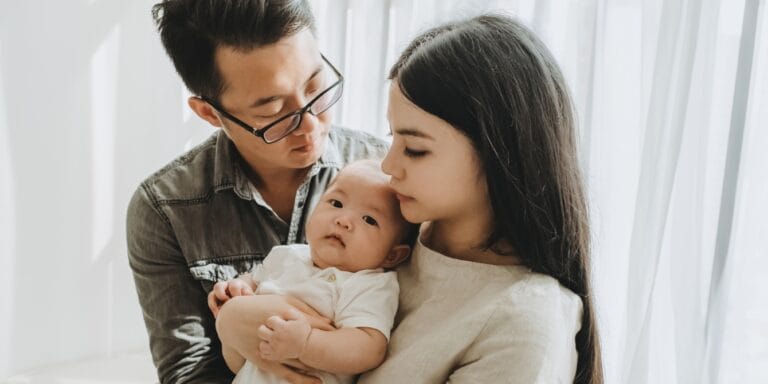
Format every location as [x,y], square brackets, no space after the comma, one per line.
[225,290]
[284,339]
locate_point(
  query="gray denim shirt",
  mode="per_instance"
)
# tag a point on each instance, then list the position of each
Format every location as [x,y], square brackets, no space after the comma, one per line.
[198,221]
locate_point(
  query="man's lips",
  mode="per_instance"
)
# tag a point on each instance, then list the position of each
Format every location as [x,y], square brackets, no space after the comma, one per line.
[304,148]
[307,146]
[403,198]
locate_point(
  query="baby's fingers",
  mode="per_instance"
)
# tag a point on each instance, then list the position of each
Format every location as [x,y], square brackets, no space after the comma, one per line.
[265,333]
[266,352]
[220,291]
[214,304]
[239,288]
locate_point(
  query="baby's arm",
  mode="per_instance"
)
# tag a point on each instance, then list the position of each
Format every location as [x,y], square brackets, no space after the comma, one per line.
[342,351]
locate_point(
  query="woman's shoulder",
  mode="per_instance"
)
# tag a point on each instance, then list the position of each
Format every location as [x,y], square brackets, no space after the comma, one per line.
[538,299]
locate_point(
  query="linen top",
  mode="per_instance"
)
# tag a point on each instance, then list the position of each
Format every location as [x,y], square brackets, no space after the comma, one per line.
[468,322]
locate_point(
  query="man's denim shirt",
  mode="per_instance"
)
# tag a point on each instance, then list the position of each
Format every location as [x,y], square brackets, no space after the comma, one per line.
[198,221]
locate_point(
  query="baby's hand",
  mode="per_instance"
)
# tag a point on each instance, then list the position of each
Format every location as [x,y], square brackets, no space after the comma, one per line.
[225,290]
[284,338]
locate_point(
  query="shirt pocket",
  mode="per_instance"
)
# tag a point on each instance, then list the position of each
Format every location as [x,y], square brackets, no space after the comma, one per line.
[209,272]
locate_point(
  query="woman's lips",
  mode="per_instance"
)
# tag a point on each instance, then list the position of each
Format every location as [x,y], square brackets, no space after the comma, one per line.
[403,198]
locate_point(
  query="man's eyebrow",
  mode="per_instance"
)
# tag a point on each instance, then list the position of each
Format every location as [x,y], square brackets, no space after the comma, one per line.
[413,132]
[269,99]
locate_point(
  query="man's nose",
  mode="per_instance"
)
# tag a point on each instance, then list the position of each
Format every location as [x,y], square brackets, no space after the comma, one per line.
[309,123]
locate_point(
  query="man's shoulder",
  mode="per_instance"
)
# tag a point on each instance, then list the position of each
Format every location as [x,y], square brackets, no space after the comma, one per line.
[188,176]
[355,144]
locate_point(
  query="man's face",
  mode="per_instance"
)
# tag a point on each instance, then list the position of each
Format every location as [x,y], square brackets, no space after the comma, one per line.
[356,223]
[266,83]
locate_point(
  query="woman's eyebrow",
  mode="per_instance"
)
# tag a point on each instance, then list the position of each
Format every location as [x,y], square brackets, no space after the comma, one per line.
[413,132]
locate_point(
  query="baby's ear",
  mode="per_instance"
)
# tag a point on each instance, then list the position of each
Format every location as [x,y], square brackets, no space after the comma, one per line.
[396,255]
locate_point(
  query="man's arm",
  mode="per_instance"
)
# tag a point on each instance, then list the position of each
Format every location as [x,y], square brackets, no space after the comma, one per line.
[182,334]
[343,351]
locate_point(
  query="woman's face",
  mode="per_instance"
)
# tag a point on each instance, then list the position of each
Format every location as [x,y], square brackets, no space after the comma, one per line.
[434,169]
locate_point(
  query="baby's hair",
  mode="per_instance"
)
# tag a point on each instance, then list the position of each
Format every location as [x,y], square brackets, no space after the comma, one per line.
[370,163]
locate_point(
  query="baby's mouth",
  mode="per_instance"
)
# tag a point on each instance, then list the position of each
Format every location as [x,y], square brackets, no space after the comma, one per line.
[336,238]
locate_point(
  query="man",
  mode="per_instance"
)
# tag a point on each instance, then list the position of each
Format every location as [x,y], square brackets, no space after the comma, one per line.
[217,210]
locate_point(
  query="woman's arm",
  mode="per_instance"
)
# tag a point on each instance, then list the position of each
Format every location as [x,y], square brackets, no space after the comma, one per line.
[526,340]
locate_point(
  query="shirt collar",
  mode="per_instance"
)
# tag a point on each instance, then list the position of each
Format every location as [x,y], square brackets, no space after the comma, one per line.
[228,165]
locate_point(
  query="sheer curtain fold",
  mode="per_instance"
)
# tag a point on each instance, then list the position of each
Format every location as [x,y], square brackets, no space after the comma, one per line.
[724,256]
[661,148]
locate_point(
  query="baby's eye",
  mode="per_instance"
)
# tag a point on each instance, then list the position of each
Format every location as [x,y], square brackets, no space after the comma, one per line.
[370,221]
[336,203]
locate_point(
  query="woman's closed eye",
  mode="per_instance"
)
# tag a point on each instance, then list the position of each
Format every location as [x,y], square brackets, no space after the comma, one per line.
[414,153]
[370,221]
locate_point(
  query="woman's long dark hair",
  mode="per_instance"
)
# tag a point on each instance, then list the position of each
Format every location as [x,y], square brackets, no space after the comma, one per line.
[495,81]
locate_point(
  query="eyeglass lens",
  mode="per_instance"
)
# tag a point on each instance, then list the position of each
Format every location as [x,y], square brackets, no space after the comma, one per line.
[290,123]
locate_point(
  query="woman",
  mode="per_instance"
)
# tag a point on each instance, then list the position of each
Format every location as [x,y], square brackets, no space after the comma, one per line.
[484,154]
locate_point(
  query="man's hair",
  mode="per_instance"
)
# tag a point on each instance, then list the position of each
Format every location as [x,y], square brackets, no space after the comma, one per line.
[191,30]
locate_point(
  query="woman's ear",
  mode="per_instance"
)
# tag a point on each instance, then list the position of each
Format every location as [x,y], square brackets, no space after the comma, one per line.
[204,110]
[396,255]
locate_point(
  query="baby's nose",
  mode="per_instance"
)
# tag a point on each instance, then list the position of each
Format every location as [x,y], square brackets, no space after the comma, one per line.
[344,221]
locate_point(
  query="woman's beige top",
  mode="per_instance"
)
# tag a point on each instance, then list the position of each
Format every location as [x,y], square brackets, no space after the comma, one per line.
[467,322]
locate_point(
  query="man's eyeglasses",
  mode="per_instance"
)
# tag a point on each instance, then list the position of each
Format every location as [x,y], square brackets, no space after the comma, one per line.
[283,126]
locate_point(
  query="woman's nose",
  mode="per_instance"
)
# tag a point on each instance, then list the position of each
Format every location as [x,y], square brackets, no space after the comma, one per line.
[389,165]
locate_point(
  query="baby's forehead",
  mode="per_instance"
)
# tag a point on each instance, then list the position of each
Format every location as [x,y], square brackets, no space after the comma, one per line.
[374,193]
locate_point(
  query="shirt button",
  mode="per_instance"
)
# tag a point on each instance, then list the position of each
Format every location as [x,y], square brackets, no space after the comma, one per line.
[331,278]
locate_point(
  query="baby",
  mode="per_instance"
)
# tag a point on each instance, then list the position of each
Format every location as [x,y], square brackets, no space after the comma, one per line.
[354,233]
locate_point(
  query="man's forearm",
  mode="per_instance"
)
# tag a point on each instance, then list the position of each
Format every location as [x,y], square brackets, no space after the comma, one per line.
[345,351]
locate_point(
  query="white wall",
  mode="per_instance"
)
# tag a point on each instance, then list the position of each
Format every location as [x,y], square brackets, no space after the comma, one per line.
[89,105]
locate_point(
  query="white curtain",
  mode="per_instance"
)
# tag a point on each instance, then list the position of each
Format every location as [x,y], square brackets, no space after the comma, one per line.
[673,108]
